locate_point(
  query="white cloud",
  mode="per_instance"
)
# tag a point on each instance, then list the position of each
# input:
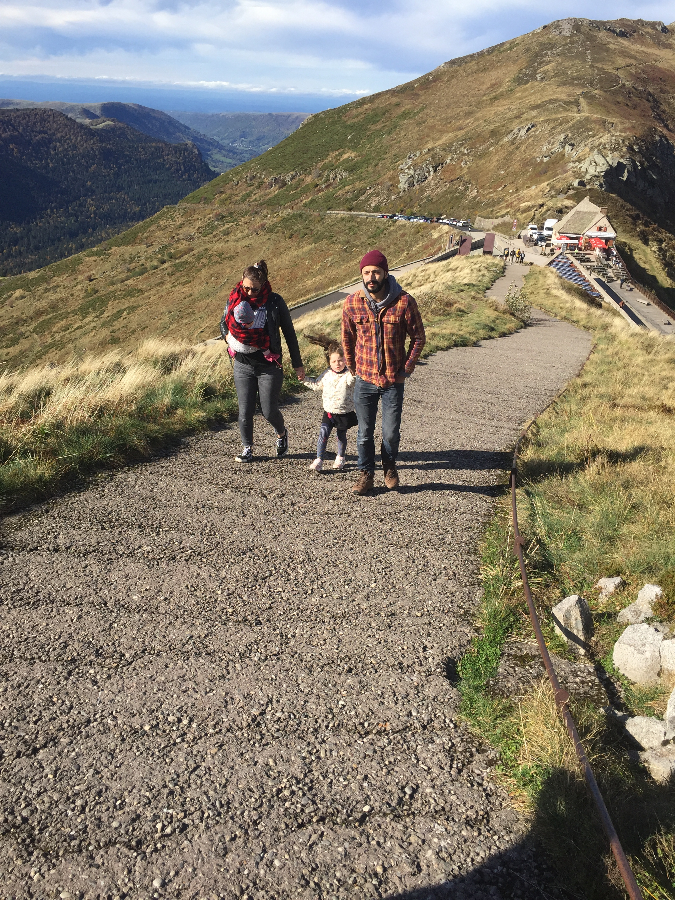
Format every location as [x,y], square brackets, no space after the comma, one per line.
[334,46]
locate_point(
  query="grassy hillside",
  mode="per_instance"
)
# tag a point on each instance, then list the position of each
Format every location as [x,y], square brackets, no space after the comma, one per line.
[507,131]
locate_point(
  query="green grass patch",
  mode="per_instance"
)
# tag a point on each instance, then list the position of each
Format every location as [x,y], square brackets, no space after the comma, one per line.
[597,477]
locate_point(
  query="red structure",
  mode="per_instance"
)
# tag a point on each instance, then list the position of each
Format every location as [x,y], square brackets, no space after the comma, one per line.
[489,244]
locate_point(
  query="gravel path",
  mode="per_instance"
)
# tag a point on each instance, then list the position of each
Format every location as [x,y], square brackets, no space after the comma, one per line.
[226,681]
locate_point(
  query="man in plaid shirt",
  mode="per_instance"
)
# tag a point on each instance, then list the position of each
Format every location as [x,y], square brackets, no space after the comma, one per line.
[376,320]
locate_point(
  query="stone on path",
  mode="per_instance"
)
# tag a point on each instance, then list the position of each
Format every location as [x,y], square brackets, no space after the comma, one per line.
[609,586]
[572,620]
[636,654]
[649,733]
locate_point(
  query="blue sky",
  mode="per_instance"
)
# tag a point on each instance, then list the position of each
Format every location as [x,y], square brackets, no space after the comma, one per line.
[255,54]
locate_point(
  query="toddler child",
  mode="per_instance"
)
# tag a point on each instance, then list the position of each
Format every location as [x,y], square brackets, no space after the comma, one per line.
[337,387]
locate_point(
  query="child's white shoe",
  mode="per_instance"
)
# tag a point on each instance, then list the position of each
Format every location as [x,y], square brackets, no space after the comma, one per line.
[339,462]
[317,465]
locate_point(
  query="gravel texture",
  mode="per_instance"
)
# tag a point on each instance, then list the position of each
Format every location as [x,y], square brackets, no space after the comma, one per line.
[221,680]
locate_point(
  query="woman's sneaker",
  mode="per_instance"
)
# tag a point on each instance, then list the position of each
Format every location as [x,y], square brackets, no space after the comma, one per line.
[246,455]
[339,462]
[282,445]
[317,465]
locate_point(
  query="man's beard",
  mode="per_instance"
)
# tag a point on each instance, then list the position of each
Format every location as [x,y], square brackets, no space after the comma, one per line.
[376,285]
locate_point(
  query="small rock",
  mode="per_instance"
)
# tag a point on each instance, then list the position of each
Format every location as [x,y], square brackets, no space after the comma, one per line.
[670,717]
[648,732]
[608,586]
[649,593]
[667,652]
[636,654]
[158,883]
[572,620]
[661,763]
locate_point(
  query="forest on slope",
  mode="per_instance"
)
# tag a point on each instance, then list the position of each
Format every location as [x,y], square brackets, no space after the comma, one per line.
[65,186]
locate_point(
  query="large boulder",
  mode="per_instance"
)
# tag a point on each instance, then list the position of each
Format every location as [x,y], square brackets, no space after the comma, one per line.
[635,613]
[572,620]
[636,654]
[649,733]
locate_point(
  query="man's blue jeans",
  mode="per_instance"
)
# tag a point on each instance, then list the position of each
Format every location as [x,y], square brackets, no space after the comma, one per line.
[366,399]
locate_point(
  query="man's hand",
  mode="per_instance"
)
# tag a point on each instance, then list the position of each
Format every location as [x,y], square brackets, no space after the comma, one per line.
[300,373]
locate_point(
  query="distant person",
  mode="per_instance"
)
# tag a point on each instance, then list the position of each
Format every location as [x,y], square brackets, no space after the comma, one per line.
[513,255]
[376,320]
[251,324]
[337,387]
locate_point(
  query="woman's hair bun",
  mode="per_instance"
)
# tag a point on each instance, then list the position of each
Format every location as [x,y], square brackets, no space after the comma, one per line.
[257,271]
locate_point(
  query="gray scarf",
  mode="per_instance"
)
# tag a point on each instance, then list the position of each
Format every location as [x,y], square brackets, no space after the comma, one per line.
[394,291]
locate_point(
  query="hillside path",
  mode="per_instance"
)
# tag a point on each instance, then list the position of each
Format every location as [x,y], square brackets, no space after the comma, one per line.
[222,681]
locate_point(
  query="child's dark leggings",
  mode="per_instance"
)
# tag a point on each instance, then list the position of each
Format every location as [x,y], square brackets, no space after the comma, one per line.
[324,434]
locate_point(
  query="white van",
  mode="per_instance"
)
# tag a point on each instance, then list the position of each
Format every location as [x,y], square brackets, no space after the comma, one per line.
[548,227]
[533,229]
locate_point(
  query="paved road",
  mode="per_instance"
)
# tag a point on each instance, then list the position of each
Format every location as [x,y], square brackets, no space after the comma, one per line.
[229,681]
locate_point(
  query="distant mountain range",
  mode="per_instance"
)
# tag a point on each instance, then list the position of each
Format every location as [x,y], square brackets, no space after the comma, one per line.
[65,186]
[225,140]
[59,197]
[248,133]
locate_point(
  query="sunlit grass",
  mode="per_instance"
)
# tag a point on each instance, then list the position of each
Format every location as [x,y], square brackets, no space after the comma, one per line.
[61,422]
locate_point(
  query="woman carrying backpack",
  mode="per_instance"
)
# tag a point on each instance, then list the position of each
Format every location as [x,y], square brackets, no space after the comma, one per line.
[251,325]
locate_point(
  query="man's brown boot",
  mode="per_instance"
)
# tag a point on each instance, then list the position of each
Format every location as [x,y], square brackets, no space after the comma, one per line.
[391,478]
[364,484]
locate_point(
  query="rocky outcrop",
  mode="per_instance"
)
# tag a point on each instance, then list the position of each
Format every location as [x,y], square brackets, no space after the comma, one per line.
[637,172]
[412,175]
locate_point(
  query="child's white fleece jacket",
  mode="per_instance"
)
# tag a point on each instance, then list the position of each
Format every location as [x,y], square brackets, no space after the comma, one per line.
[337,388]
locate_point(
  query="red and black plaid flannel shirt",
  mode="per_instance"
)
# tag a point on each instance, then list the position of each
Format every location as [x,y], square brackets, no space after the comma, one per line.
[400,320]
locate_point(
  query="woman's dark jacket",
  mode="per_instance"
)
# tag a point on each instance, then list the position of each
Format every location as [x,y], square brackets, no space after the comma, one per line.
[278,318]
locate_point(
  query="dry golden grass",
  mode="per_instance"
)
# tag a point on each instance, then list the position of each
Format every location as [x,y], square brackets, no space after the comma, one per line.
[64,419]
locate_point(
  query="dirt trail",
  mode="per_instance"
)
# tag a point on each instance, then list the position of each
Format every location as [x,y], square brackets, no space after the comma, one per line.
[227,681]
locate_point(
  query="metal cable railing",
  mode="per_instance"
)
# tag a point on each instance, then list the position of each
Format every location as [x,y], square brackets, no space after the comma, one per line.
[562,699]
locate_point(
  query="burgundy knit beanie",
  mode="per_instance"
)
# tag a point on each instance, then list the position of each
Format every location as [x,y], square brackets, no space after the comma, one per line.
[375,258]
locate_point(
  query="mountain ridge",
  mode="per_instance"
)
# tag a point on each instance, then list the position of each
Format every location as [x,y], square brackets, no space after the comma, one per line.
[524,129]
[154,123]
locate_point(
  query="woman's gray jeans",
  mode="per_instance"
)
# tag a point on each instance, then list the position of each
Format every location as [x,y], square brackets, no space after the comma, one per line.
[253,378]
